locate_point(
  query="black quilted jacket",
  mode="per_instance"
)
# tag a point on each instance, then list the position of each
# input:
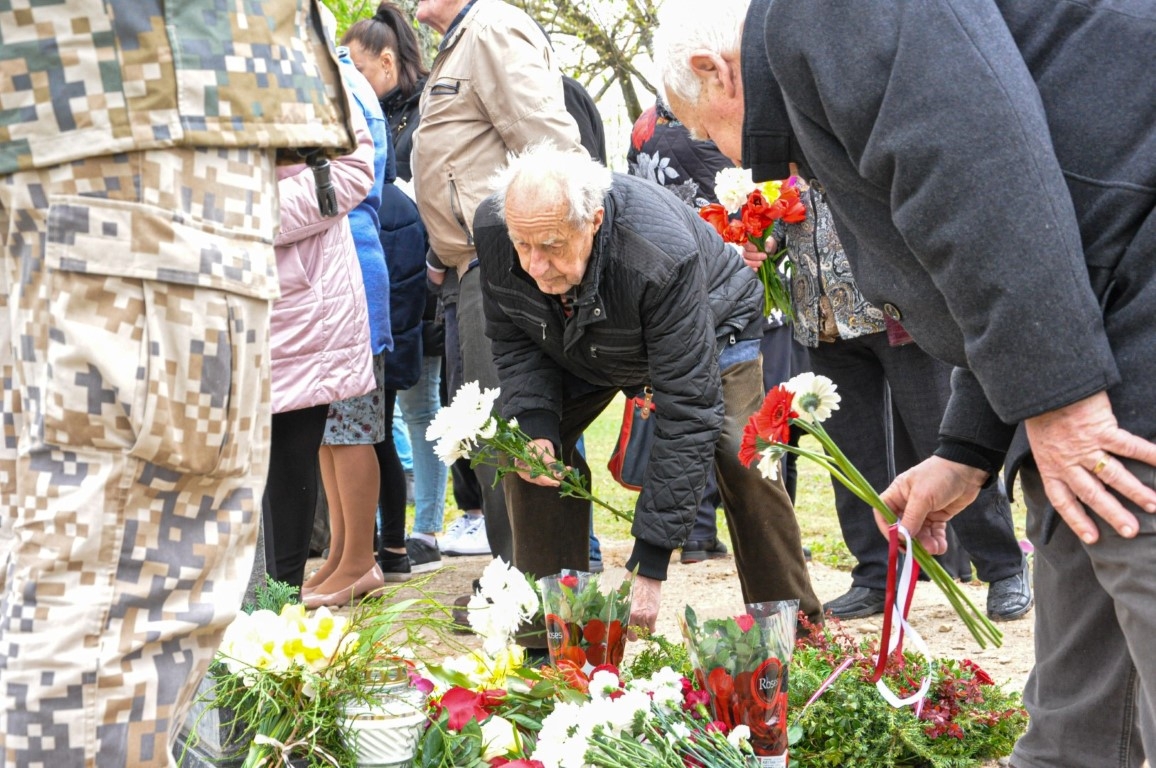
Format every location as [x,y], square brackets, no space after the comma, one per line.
[662,291]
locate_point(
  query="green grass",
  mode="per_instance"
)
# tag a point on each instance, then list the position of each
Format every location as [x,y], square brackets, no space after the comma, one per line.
[814,497]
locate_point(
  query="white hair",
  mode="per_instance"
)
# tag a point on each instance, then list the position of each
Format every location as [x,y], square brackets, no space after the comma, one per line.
[687,27]
[553,174]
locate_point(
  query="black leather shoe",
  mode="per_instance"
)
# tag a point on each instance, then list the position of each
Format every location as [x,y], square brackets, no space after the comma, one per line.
[1009,599]
[857,603]
[697,551]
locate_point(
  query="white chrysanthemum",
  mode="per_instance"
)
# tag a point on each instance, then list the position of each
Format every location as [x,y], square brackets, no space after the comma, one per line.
[732,186]
[504,601]
[815,396]
[664,687]
[618,714]
[457,427]
[562,741]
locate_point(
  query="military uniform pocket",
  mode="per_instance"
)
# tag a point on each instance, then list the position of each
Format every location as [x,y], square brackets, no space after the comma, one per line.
[158,336]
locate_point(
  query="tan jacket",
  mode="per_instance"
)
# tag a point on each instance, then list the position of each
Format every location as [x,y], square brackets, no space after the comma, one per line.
[126,79]
[494,88]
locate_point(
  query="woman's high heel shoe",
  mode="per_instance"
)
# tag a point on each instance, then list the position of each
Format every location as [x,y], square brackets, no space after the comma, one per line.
[372,580]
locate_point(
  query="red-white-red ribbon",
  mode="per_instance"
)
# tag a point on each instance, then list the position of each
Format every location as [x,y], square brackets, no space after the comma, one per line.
[895,610]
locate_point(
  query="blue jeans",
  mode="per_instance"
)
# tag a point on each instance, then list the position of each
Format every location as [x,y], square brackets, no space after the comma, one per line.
[401,437]
[419,404]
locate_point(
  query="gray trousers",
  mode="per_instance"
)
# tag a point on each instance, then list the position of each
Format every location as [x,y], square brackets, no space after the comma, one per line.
[466,325]
[1091,693]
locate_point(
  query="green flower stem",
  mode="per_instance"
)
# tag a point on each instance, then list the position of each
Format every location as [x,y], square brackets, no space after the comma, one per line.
[515,443]
[775,295]
[841,468]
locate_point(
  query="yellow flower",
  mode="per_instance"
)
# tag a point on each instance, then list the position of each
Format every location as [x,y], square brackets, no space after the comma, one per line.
[771,190]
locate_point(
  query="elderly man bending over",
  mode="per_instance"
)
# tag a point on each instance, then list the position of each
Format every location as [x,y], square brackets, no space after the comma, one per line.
[595,283]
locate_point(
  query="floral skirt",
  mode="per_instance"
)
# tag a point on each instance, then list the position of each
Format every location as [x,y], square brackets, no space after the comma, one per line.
[359,420]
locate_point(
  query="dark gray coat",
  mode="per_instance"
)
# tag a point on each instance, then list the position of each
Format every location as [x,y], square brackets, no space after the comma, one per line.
[660,293]
[993,170]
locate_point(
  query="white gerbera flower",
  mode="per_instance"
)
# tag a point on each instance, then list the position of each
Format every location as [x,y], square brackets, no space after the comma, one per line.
[732,186]
[815,396]
[459,426]
[769,464]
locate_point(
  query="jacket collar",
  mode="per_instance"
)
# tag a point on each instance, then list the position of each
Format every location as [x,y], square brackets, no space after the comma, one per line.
[394,101]
[456,26]
[590,308]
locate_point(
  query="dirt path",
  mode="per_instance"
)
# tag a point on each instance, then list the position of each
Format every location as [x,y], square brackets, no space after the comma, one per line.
[712,588]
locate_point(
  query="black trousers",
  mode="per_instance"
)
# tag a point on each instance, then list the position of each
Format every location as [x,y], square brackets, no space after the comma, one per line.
[290,500]
[391,496]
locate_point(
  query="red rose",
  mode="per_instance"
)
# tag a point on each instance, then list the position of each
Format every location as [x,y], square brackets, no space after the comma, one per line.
[745,622]
[570,581]
[463,705]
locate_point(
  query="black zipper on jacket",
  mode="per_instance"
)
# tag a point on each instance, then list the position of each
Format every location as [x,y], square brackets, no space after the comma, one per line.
[456,210]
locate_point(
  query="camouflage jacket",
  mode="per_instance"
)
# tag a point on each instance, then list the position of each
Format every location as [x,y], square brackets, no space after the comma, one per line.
[83,78]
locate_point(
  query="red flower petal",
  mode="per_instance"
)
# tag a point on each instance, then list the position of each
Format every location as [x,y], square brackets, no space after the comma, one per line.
[463,706]
[773,421]
[749,448]
[594,631]
[715,215]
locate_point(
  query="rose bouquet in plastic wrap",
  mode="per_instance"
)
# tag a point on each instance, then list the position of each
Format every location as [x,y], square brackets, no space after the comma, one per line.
[742,663]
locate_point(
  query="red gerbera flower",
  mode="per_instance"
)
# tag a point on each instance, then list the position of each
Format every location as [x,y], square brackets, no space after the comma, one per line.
[772,422]
[749,449]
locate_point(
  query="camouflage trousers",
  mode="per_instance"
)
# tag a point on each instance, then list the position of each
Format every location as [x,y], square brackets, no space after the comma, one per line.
[135,292]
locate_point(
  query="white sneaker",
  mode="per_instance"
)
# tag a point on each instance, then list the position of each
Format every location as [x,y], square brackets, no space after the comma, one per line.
[471,541]
[454,531]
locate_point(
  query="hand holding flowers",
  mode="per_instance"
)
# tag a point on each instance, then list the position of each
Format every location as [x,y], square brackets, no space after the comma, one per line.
[469,428]
[806,401]
[758,207]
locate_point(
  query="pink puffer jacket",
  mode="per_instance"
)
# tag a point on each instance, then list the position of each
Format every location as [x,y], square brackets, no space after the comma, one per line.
[320,325]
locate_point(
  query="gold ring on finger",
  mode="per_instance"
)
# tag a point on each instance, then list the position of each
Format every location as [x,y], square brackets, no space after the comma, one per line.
[1103,462]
